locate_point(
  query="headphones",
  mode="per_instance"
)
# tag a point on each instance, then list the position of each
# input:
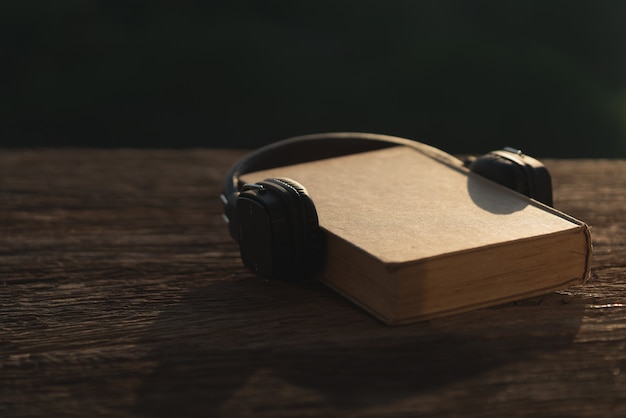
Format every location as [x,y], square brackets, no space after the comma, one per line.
[275,221]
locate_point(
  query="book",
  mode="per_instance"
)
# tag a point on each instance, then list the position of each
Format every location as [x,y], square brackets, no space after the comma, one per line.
[411,234]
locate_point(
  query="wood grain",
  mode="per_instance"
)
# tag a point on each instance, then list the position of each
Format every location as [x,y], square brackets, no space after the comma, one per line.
[121,294]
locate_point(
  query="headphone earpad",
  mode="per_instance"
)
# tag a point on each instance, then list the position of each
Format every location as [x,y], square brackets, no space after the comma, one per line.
[279,234]
[502,171]
[517,171]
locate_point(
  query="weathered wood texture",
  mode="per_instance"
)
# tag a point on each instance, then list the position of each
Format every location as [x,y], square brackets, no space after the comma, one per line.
[121,294]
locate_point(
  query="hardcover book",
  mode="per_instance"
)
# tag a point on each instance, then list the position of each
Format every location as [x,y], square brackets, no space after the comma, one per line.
[411,234]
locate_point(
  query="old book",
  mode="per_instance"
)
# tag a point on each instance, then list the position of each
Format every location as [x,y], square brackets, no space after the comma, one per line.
[411,234]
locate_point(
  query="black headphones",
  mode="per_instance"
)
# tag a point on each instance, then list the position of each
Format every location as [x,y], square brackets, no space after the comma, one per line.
[275,221]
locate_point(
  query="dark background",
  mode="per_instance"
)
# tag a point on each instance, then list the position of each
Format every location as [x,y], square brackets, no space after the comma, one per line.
[465,76]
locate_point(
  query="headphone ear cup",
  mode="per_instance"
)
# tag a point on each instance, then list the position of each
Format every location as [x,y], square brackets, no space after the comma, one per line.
[502,171]
[517,171]
[279,234]
[308,235]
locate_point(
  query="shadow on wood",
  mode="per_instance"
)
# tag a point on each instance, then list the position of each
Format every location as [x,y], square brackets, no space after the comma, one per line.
[247,346]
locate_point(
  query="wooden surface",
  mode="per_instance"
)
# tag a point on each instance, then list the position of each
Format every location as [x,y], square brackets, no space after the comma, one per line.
[121,294]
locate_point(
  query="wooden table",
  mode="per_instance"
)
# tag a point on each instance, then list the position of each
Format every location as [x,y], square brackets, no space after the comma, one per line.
[121,294]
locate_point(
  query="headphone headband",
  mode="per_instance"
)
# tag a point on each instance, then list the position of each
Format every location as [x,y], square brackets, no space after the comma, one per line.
[312,147]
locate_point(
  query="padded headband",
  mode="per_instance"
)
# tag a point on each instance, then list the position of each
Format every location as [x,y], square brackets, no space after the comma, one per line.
[313,147]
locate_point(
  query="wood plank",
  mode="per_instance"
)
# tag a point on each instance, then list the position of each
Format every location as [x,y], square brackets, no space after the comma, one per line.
[121,294]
